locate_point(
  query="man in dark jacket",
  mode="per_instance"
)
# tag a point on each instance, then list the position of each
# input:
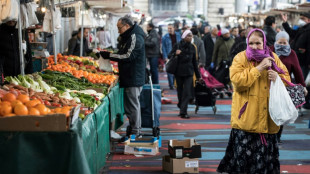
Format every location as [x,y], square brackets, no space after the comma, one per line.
[209,41]
[9,51]
[152,50]
[74,44]
[269,29]
[131,64]
[300,43]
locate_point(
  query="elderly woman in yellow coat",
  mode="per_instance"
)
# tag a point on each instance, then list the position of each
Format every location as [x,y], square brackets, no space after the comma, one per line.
[252,146]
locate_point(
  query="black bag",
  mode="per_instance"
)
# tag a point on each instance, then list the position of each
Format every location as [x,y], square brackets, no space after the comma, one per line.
[222,73]
[296,92]
[172,64]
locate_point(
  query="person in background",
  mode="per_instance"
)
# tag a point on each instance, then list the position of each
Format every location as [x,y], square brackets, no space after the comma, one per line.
[289,58]
[209,41]
[75,42]
[152,50]
[187,65]
[206,31]
[269,29]
[9,51]
[168,41]
[200,48]
[131,63]
[104,38]
[240,44]
[300,43]
[278,29]
[222,48]
[253,146]
[235,32]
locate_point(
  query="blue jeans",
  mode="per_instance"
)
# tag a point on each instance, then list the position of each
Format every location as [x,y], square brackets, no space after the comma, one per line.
[170,79]
[154,69]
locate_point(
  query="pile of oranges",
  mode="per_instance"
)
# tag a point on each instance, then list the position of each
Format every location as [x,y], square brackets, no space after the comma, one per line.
[12,105]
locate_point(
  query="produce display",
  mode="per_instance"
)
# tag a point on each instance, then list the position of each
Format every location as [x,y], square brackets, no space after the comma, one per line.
[72,81]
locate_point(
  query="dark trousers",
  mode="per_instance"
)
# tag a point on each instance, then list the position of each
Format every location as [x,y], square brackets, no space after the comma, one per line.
[305,71]
[170,80]
[154,69]
[184,87]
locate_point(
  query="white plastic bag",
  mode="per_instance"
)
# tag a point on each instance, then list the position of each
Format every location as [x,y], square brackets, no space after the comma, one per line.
[281,108]
[105,65]
[307,81]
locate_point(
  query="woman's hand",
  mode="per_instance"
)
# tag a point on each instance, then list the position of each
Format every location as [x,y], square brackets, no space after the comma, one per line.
[305,91]
[178,52]
[284,17]
[272,75]
[264,64]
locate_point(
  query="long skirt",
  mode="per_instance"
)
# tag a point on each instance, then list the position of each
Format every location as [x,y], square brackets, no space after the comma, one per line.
[251,153]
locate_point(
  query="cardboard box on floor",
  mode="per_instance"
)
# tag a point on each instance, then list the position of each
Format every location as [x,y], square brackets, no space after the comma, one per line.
[184,165]
[147,148]
[184,148]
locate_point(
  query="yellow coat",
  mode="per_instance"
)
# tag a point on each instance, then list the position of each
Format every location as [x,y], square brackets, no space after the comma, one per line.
[252,86]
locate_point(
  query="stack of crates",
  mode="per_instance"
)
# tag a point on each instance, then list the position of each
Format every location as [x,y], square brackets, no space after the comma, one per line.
[142,146]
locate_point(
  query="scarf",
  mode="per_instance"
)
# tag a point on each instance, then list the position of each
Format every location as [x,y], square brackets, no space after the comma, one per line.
[258,55]
[282,50]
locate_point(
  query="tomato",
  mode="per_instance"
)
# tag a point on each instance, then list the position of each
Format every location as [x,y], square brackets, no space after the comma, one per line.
[56,104]
[87,112]
[47,103]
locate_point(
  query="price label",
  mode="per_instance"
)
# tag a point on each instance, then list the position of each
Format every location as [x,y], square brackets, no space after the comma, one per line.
[191,164]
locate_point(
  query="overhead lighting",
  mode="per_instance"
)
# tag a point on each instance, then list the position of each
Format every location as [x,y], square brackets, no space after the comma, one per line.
[43,9]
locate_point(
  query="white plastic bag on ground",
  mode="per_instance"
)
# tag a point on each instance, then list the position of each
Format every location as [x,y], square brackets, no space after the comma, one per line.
[281,108]
[105,65]
[307,81]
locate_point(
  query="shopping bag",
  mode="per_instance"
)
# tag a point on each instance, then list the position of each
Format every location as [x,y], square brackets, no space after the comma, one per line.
[105,65]
[296,92]
[171,65]
[281,108]
[307,81]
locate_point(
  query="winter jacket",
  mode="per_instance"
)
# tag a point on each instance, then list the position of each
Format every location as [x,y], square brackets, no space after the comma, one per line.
[152,44]
[167,44]
[209,47]
[74,46]
[239,45]
[300,39]
[222,50]
[9,52]
[187,63]
[131,57]
[252,87]
[292,64]
[270,35]
[201,50]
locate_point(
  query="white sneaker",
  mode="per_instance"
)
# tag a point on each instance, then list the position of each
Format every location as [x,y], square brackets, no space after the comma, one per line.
[114,135]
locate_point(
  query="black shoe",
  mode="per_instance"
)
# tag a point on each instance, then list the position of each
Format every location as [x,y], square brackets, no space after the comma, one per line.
[171,87]
[185,116]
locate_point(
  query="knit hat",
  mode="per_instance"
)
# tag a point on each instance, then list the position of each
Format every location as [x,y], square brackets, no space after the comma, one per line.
[224,31]
[185,33]
[282,34]
[305,14]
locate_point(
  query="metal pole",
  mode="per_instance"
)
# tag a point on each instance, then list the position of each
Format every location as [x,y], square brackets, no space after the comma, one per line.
[21,53]
[53,9]
[96,38]
[82,29]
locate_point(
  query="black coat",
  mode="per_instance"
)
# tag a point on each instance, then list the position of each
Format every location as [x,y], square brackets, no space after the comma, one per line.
[209,47]
[187,63]
[9,52]
[238,46]
[270,35]
[131,57]
[300,39]
[74,46]
[152,44]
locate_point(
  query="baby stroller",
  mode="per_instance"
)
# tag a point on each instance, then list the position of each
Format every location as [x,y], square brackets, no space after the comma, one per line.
[222,75]
[205,93]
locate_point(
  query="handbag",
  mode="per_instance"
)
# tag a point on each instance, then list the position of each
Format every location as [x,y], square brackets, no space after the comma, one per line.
[296,92]
[171,65]
[281,108]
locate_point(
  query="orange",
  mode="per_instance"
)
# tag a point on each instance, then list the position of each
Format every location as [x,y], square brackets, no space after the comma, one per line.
[9,97]
[57,110]
[15,102]
[42,109]
[32,103]
[5,103]
[10,115]
[23,98]
[21,109]
[34,111]
[65,111]
[5,110]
